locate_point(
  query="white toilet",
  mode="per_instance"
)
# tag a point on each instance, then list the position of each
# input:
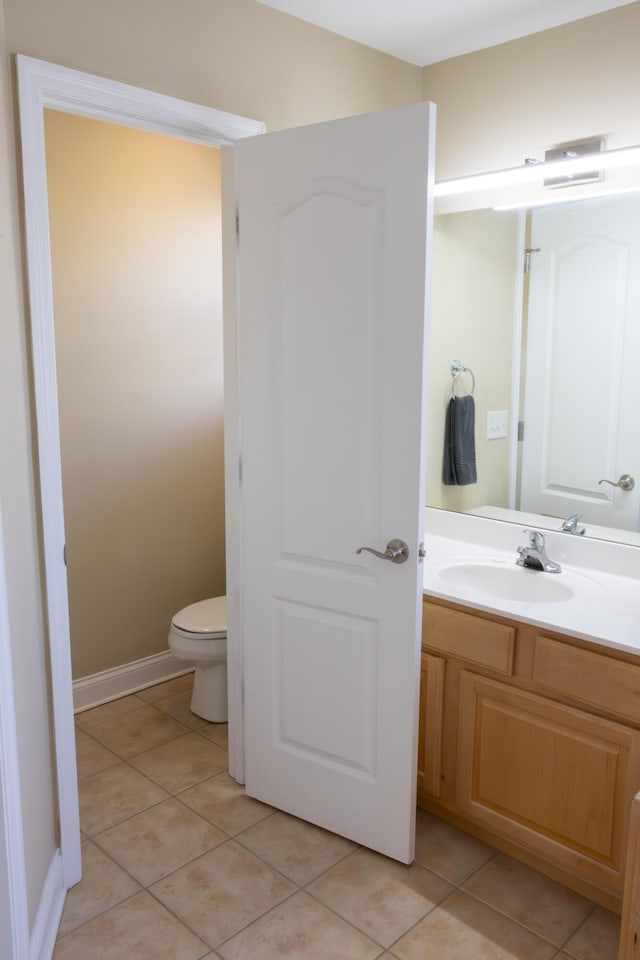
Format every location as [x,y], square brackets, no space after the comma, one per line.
[198,634]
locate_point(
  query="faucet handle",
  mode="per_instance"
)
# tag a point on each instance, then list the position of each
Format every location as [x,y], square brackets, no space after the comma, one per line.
[536,538]
[572,524]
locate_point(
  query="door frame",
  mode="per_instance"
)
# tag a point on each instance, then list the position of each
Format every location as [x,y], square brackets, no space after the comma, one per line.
[14,912]
[42,85]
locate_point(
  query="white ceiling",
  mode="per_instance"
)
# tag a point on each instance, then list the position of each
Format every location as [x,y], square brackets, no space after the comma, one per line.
[425,31]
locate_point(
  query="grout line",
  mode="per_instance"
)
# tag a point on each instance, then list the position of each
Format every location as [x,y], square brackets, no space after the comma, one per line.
[255,920]
[579,927]
[350,923]
[177,736]
[146,886]
[517,923]
[240,930]
[81,713]
[114,906]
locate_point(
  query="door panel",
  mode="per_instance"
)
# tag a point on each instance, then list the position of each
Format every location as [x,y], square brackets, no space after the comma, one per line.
[313,324]
[334,224]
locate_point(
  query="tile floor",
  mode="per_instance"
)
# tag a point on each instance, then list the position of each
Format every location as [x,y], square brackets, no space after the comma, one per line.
[180,865]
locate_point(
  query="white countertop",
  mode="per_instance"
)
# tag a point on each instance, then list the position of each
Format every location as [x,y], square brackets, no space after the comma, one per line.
[604,577]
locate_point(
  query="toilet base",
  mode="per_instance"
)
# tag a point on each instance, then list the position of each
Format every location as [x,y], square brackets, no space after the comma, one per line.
[209,699]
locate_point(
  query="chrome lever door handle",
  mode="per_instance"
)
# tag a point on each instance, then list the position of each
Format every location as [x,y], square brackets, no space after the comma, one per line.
[625,482]
[397,551]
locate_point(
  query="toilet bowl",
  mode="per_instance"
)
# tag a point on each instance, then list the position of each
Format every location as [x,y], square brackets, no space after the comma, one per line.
[198,635]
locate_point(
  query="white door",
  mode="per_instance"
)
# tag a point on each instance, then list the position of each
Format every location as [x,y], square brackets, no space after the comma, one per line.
[582,401]
[334,221]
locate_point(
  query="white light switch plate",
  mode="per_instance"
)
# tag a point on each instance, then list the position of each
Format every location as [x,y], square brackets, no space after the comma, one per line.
[497,421]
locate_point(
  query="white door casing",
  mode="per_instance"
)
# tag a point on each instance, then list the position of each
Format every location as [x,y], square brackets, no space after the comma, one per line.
[582,407]
[14,911]
[42,85]
[334,226]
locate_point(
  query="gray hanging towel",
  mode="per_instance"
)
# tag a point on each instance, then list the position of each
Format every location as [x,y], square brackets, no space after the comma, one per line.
[459,464]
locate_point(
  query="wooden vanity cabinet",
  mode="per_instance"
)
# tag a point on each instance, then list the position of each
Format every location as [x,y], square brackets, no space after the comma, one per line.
[531,741]
[432,672]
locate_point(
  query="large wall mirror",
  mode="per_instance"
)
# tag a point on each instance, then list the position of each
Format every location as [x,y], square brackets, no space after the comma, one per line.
[540,299]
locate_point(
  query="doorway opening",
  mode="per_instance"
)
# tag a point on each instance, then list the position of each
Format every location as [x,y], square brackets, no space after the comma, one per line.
[137,289]
[43,85]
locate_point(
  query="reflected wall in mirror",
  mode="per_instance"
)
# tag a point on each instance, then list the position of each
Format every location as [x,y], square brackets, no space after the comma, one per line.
[558,348]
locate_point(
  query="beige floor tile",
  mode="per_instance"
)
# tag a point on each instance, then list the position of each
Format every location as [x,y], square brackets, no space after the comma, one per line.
[107,711]
[166,689]
[299,850]
[300,929]
[137,731]
[114,794]
[225,803]
[597,938]
[379,896]
[221,892]
[159,840]
[103,885]
[462,928]
[447,851]
[181,763]
[178,707]
[538,903]
[92,756]
[218,732]
[138,929]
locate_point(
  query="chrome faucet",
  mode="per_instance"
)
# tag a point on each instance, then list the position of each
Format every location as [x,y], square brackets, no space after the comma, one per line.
[572,525]
[535,555]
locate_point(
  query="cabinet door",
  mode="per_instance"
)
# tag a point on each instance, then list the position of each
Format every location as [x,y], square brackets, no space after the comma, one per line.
[555,779]
[430,730]
[630,923]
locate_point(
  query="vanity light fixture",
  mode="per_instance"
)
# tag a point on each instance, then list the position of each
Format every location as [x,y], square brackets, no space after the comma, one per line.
[536,172]
[564,151]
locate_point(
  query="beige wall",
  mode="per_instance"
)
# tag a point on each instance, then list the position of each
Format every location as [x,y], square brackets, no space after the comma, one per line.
[136,256]
[473,291]
[498,106]
[236,55]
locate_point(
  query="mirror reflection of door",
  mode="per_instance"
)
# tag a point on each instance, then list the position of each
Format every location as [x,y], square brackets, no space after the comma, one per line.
[582,408]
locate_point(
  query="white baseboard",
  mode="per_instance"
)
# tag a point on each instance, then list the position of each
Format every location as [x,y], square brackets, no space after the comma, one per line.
[45,928]
[120,681]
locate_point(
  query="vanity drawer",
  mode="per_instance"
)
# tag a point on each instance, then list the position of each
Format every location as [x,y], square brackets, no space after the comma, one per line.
[469,638]
[589,677]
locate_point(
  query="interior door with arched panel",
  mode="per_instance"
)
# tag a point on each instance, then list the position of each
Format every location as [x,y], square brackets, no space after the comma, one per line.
[334,222]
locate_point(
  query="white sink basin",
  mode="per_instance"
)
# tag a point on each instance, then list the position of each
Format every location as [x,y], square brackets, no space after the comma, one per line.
[507,581]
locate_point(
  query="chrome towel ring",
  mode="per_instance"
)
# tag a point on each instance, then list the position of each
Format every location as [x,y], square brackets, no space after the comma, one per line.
[456,369]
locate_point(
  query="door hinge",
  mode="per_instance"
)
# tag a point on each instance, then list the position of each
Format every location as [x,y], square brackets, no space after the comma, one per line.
[237,224]
[520,431]
[64,554]
[527,257]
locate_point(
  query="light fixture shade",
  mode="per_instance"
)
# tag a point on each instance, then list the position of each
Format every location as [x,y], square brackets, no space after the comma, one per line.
[537,172]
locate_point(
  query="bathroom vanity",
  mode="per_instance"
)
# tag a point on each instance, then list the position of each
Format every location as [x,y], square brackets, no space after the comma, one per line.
[529,735]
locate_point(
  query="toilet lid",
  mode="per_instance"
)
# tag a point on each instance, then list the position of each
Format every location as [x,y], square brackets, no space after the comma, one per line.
[206,616]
